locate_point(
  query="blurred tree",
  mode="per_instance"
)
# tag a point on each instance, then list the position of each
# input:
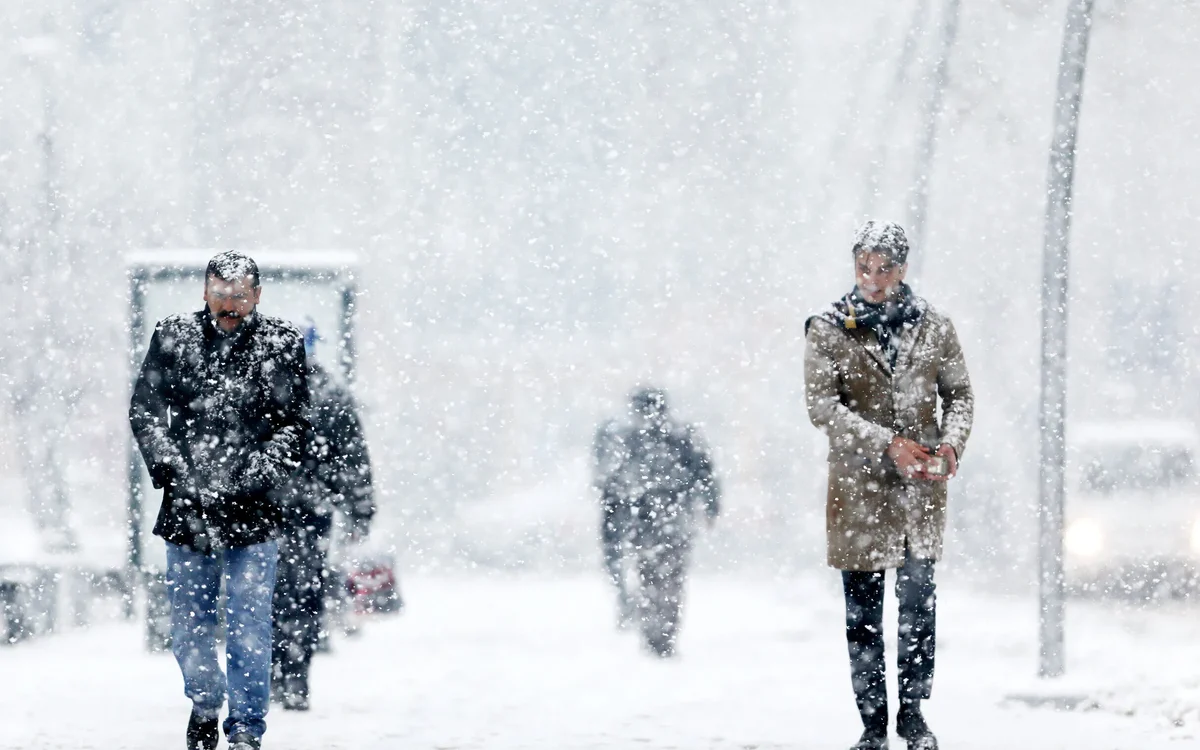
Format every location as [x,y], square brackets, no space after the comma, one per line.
[44,377]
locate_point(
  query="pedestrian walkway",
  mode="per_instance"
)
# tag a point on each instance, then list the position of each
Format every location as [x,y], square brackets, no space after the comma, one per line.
[527,662]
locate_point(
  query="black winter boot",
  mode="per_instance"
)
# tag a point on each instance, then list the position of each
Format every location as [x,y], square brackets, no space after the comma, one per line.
[295,687]
[277,683]
[202,732]
[872,739]
[295,693]
[244,741]
[910,725]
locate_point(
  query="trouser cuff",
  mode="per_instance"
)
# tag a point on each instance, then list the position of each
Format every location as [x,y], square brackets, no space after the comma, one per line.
[206,712]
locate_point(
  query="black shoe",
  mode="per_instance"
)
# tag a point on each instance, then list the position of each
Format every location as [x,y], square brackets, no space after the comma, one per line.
[295,697]
[244,741]
[295,689]
[910,725]
[872,739]
[202,733]
[276,679]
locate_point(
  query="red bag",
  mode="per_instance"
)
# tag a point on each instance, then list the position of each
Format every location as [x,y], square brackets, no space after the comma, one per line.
[371,584]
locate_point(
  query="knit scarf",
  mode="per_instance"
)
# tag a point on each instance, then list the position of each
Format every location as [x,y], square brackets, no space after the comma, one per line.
[886,319]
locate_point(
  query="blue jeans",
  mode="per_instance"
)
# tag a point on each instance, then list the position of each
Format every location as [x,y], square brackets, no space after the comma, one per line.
[193,580]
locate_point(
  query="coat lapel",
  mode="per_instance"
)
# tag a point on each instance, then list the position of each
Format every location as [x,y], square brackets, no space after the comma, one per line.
[867,340]
[908,338]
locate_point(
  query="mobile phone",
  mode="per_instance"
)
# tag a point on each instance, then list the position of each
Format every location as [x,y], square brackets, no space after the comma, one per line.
[938,466]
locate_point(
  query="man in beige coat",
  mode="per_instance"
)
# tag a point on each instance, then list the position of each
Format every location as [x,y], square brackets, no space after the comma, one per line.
[876,366]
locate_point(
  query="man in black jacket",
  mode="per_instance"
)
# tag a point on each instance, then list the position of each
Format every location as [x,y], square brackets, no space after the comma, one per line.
[335,474]
[218,411]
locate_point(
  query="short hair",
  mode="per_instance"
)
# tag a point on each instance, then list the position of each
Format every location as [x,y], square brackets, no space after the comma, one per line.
[648,401]
[885,237]
[231,266]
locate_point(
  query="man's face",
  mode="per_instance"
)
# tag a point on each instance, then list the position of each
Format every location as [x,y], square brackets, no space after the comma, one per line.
[230,302]
[878,277]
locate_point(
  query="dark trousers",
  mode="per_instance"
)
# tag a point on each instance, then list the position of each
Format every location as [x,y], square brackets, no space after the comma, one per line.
[662,543]
[613,532]
[662,573]
[917,599]
[299,600]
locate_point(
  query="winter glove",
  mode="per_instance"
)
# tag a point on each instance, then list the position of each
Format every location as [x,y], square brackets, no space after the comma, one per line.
[267,468]
[189,494]
[168,472]
[182,487]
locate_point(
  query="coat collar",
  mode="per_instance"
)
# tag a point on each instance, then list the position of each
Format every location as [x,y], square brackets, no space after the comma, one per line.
[905,344]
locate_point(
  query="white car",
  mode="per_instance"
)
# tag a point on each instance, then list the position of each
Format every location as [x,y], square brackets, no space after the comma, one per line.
[1132,507]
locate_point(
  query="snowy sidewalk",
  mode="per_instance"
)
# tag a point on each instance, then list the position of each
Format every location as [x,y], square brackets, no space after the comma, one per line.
[516,662]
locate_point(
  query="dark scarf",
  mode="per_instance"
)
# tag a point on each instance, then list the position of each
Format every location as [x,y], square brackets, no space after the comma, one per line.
[886,319]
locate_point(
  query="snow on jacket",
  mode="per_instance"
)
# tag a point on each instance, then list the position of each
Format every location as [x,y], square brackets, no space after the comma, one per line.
[607,455]
[335,469]
[220,420]
[665,465]
[860,403]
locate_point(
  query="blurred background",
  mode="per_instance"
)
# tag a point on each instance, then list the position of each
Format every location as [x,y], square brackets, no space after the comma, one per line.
[551,202]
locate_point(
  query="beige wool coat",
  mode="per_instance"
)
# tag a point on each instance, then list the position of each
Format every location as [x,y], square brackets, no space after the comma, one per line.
[872,513]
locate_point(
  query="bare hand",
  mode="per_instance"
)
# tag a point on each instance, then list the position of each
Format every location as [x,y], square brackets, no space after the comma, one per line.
[909,457]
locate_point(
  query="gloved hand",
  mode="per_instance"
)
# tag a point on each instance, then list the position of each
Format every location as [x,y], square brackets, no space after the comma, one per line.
[183,487]
[262,472]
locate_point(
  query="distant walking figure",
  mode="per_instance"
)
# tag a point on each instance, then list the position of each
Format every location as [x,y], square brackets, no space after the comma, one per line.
[660,474]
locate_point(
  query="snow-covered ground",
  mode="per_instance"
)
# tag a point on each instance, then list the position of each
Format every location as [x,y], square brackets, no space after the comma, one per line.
[535,662]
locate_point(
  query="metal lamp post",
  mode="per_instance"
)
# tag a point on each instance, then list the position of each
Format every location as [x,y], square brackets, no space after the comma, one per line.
[1054,335]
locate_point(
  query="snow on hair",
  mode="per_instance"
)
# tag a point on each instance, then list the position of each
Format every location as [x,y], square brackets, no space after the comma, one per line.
[232,266]
[882,237]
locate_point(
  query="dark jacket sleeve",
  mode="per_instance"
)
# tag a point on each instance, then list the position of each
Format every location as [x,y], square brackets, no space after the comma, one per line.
[280,453]
[705,484]
[608,454]
[347,473]
[148,416]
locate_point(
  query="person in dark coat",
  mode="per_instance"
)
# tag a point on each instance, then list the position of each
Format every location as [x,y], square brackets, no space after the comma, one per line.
[664,473]
[607,455]
[335,475]
[218,411]
[878,365]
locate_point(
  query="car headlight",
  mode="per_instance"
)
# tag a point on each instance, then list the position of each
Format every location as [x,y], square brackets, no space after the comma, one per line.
[1085,537]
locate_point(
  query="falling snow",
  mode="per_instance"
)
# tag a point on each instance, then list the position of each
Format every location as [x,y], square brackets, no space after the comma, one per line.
[490,222]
